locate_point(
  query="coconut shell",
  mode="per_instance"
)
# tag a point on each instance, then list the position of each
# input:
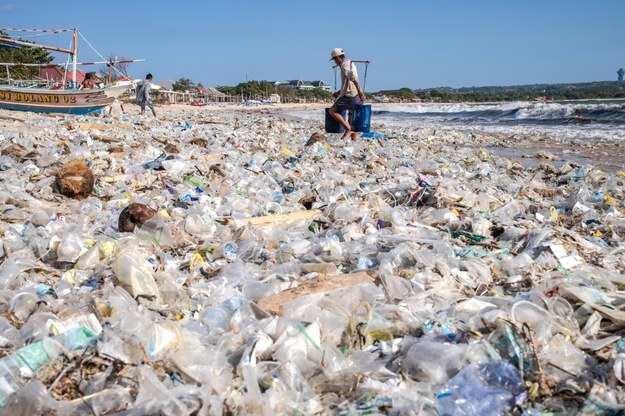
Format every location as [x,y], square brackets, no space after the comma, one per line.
[134,215]
[75,179]
[316,137]
[308,201]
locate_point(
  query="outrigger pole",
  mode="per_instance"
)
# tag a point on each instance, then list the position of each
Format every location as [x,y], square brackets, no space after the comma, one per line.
[52,64]
[72,51]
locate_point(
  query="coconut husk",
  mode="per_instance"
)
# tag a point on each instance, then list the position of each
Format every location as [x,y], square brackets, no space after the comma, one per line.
[316,137]
[217,168]
[134,215]
[16,151]
[118,148]
[199,142]
[171,148]
[75,179]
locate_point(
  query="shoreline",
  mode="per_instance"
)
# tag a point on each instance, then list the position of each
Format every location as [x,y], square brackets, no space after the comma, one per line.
[528,148]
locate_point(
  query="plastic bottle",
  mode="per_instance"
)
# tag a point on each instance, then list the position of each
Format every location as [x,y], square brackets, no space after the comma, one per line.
[365,262]
[231,250]
[69,248]
[488,388]
[132,271]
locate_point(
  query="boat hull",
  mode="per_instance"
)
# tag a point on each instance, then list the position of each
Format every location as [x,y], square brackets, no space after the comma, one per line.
[117,89]
[54,101]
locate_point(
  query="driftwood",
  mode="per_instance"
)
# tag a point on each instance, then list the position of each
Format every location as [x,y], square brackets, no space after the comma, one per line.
[272,219]
[273,304]
[98,126]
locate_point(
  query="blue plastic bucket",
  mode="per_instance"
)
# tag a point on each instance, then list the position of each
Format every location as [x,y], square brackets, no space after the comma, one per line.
[361,118]
[333,126]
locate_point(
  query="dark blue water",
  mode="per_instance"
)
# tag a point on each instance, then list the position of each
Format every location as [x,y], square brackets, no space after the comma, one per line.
[511,114]
[590,121]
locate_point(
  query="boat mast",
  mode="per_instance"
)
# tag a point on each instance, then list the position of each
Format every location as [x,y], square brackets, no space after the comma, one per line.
[74,58]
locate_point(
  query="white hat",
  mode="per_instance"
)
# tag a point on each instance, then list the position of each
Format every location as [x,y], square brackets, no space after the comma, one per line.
[336,52]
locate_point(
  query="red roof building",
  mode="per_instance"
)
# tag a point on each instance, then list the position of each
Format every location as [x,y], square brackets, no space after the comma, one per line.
[57,75]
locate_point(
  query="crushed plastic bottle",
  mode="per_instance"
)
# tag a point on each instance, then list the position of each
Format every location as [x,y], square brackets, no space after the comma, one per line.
[489,388]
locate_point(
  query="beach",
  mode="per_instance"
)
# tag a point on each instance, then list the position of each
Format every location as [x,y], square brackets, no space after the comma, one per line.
[464,254]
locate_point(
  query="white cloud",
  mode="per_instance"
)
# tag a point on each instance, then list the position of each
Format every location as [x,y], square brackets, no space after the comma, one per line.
[8,7]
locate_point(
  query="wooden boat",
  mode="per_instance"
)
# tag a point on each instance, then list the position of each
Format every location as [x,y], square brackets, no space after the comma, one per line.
[41,100]
[50,100]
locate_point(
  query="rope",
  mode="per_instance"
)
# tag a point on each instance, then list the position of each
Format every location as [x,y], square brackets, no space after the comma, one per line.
[98,53]
[364,82]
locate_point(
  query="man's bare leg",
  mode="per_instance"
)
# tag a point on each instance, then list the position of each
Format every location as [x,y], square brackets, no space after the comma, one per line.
[338,117]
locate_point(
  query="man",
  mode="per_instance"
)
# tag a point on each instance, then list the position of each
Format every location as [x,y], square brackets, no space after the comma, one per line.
[143,95]
[350,92]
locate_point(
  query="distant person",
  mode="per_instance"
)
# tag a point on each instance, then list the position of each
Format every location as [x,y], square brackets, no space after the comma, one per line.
[350,92]
[89,82]
[143,95]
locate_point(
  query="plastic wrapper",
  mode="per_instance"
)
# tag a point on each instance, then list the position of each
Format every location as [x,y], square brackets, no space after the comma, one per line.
[486,388]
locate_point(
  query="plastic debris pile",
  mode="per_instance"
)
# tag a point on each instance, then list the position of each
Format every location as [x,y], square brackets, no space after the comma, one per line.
[222,264]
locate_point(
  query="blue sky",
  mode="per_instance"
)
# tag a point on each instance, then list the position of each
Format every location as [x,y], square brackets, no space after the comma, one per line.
[414,44]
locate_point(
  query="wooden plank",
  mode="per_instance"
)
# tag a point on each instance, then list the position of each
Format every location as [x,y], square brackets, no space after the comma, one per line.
[273,304]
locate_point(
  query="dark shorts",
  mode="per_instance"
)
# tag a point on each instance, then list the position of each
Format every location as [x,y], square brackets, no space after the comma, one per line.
[346,103]
[143,104]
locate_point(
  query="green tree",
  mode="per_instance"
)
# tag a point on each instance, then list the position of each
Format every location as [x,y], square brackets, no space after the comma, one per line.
[183,84]
[249,90]
[23,55]
[620,73]
[405,94]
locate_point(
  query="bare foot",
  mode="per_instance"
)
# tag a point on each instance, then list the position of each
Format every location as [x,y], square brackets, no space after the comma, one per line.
[347,133]
[354,135]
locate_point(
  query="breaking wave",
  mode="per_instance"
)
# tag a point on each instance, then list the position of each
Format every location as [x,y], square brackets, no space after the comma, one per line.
[512,113]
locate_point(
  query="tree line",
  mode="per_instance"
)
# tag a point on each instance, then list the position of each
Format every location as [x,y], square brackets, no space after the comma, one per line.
[23,55]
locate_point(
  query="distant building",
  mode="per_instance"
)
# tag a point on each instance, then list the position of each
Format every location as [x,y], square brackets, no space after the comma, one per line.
[209,94]
[298,84]
[56,74]
[274,98]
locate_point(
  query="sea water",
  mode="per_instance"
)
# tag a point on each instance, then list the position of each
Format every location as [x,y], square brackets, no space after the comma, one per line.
[578,124]
[604,120]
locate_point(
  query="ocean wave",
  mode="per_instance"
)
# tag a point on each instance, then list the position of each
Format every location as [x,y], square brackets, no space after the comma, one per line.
[589,121]
[524,112]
